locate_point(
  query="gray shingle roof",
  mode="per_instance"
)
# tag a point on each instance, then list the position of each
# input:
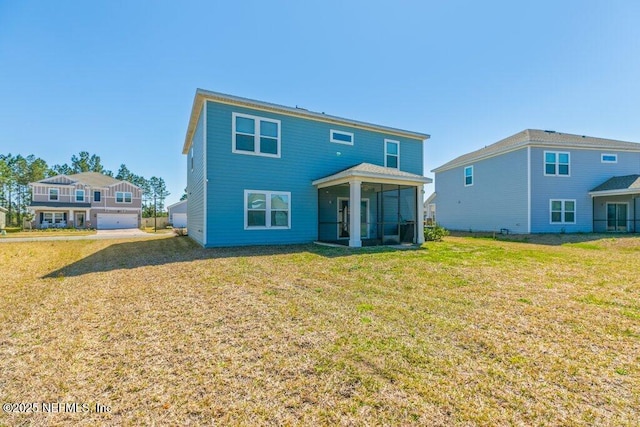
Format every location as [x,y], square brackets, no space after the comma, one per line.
[539,137]
[93,179]
[628,182]
[367,170]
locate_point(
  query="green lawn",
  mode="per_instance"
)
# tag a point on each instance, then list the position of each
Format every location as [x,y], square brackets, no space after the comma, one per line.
[468,331]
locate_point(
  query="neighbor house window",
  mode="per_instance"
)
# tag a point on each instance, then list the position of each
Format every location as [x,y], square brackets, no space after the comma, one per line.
[608,158]
[123,197]
[468,176]
[563,211]
[96,196]
[267,209]
[556,163]
[340,137]
[79,195]
[53,217]
[392,154]
[256,135]
[53,194]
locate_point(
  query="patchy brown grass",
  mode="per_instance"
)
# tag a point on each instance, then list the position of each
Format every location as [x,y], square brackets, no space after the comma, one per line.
[464,332]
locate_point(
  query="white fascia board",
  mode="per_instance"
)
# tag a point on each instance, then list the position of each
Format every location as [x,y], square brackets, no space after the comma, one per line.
[623,192]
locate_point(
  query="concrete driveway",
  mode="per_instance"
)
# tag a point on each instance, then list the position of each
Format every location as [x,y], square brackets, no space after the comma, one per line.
[125,232]
[100,234]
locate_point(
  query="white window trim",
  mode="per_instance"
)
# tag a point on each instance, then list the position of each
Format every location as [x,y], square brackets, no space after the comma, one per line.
[393,141]
[337,141]
[602,160]
[75,196]
[256,135]
[57,199]
[464,176]
[124,197]
[53,214]
[557,153]
[268,195]
[563,211]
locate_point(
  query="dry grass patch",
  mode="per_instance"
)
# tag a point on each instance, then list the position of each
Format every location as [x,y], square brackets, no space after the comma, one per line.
[466,331]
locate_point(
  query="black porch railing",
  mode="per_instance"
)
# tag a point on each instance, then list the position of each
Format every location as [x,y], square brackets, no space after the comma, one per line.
[377,233]
[615,225]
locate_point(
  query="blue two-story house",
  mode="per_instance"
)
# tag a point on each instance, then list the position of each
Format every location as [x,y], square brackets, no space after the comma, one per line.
[260,173]
[542,182]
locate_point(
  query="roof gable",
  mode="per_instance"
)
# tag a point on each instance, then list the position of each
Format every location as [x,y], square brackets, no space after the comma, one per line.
[534,137]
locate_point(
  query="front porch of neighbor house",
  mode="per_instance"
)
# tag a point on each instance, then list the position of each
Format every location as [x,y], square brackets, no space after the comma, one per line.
[76,215]
[616,205]
[389,211]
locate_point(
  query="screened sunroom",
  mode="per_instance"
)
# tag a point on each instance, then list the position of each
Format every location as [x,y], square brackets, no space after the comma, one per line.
[389,211]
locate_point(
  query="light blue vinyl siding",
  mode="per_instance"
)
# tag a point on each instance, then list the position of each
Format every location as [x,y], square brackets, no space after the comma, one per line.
[306,154]
[587,172]
[195,186]
[497,199]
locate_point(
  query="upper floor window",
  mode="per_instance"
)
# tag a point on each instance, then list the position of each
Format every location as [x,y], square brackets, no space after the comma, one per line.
[96,196]
[256,135]
[563,211]
[267,209]
[123,197]
[391,154]
[79,195]
[341,137]
[468,176]
[191,156]
[556,163]
[53,194]
[608,158]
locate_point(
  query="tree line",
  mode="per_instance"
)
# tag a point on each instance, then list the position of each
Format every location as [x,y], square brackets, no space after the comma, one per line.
[17,171]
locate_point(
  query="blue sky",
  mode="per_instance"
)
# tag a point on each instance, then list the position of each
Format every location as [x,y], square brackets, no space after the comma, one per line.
[117,79]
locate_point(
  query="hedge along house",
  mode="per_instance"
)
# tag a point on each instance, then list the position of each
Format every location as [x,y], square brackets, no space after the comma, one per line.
[260,173]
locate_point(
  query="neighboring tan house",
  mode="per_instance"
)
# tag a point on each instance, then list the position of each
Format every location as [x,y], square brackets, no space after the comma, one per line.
[260,173]
[178,214]
[542,182]
[85,200]
[3,218]
[430,210]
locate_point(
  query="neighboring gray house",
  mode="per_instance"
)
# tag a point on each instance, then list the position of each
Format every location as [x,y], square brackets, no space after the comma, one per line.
[542,182]
[178,214]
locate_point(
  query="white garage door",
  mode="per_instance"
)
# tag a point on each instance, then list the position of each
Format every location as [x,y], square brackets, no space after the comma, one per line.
[115,221]
[179,220]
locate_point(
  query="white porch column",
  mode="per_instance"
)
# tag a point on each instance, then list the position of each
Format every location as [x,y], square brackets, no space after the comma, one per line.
[70,218]
[420,219]
[354,207]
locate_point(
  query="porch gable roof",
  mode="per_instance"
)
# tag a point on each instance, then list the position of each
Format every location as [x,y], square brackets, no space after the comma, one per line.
[373,173]
[59,205]
[618,185]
